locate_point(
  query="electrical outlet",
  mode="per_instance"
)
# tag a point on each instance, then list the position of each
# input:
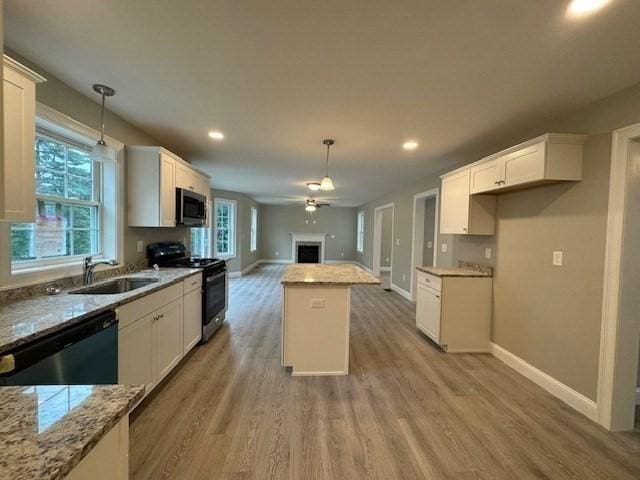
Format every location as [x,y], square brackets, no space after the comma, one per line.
[557,258]
[140,246]
[429,244]
[307,222]
[317,303]
[487,253]
[397,242]
[314,222]
[342,254]
[333,235]
[404,277]
[386,260]
[443,248]
[277,253]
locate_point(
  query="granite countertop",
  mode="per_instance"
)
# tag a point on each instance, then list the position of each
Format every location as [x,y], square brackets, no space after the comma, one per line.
[454,272]
[46,430]
[29,319]
[322,274]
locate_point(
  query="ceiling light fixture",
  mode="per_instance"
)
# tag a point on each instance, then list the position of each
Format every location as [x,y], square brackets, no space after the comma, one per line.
[310,208]
[327,184]
[314,186]
[410,145]
[216,135]
[101,151]
[581,8]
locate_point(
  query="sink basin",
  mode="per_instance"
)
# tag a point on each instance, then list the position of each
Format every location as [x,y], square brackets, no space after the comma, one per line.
[121,285]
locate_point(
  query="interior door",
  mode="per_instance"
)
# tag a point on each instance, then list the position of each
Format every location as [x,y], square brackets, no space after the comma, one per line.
[428,312]
[168,337]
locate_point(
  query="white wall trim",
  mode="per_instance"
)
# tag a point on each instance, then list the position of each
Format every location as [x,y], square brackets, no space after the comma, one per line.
[574,399]
[385,269]
[245,271]
[638,396]
[401,291]
[307,237]
[377,235]
[364,267]
[275,260]
[615,408]
[339,262]
[418,234]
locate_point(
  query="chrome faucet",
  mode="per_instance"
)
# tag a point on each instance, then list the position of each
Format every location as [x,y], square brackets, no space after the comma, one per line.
[88,266]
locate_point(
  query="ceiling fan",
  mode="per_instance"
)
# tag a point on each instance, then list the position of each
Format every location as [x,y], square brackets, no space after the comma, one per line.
[311,205]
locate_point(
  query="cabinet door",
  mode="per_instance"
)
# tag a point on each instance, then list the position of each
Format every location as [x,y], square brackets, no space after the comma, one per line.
[135,352]
[428,312]
[19,137]
[454,215]
[526,165]
[168,344]
[203,186]
[185,177]
[485,177]
[192,331]
[167,191]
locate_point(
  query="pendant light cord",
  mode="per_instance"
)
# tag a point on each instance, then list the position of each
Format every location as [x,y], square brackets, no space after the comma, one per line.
[328,147]
[102,121]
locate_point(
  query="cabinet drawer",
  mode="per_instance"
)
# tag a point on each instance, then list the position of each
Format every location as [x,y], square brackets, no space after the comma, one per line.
[430,281]
[130,312]
[193,282]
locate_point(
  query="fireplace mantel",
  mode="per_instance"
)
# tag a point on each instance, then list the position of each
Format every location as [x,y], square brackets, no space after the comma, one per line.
[307,237]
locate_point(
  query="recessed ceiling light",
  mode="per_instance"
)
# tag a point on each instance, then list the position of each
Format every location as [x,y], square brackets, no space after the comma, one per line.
[581,8]
[216,135]
[410,145]
[315,186]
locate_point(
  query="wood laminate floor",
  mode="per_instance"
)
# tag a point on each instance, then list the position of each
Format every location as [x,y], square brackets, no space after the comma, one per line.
[406,411]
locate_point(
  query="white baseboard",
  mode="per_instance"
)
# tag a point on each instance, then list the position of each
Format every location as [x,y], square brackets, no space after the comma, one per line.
[385,269]
[584,405]
[245,271]
[364,267]
[274,260]
[401,291]
[338,262]
[235,274]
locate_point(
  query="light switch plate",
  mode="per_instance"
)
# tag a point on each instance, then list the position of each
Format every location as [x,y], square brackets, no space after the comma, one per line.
[397,242]
[140,246]
[487,252]
[333,235]
[557,258]
[429,244]
[443,248]
[342,254]
[277,253]
[317,303]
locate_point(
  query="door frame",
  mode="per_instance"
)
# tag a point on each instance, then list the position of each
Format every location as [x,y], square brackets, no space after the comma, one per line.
[619,334]
[417,234]
[377,237]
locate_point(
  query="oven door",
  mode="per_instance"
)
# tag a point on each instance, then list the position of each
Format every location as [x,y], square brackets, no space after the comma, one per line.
[215,298]
[191,208]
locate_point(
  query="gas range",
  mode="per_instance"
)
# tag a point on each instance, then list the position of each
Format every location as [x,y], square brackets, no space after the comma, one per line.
[215,281]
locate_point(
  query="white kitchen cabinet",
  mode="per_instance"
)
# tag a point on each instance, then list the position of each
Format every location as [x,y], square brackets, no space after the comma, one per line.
[168,338]
[135,353]
[192,331]
[550,158]
[19,110]
[462,213]
[153,174]
[455,311]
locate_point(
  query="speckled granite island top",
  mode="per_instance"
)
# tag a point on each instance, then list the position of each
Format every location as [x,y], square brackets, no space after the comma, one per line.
[46,430]
[29,319]
[322,274]
[453,272]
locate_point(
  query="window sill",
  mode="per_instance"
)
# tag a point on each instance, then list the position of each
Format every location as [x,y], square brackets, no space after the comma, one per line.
[226,257]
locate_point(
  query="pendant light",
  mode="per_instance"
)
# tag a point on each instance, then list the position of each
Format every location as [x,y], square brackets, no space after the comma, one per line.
[101,151]
[327,184]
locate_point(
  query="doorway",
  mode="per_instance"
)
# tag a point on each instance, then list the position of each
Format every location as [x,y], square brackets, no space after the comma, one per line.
[424,247]
[383,243]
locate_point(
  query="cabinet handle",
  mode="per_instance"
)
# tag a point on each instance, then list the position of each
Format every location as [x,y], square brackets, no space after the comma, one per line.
[160,316]
[497,182]
[464,229]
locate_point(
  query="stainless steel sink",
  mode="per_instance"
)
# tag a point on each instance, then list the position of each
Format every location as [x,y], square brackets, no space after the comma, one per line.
[121,285]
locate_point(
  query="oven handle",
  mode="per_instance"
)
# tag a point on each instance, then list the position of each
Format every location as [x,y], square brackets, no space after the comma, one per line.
[214,277]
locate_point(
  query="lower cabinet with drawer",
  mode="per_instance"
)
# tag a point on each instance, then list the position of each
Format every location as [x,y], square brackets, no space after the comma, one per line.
[455,311]
[151,333]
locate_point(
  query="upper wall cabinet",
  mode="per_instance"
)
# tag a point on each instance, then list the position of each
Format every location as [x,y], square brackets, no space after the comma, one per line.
[550,158]
[462,213]
[153,174]
[19,105]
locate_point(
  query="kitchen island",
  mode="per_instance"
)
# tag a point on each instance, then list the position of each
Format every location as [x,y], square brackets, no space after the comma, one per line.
[316,316]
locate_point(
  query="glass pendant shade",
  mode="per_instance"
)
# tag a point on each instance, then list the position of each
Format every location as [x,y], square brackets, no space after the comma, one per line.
[310,208]
[102,153]
[327,184]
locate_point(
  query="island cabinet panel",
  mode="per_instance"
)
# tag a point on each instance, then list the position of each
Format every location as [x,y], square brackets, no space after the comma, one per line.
[109,459]
[315,330]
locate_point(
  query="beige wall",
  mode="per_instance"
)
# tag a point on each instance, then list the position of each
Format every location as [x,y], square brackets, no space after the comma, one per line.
[64,99]
[549,316]
[278,221]
[386,238]
[244,256]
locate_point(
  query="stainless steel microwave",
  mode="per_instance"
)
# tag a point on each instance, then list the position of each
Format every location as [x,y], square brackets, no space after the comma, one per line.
[191,208]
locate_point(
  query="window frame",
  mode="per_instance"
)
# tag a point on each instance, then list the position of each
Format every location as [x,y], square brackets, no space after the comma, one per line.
[360,231]
[253,232]
[209,229]
[233,227]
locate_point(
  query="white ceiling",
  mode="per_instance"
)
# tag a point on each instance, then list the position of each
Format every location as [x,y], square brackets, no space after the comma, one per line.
[278,77]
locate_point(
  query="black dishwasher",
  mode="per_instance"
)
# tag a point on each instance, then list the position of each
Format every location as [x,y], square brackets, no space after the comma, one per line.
[83,354]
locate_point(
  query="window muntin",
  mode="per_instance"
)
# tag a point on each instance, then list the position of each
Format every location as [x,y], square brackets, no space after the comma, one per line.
[225,235]
[201,240]
[254,229]
[67,205]
[360,233]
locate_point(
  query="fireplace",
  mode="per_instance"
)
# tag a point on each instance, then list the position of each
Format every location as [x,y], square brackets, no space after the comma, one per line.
[308,252]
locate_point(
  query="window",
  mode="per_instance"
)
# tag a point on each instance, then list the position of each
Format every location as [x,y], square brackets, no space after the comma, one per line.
[201,240]
[254,229]
[360,233]
[225,227]
[68,205]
